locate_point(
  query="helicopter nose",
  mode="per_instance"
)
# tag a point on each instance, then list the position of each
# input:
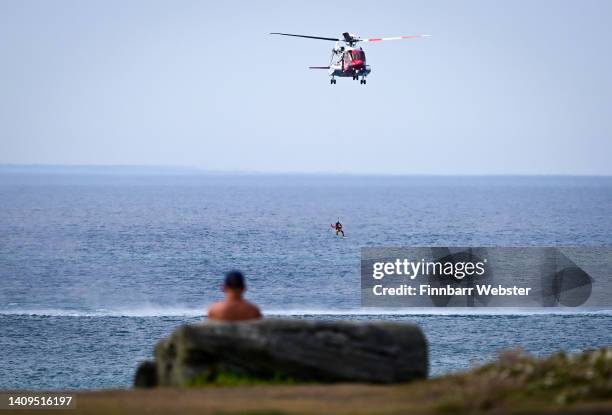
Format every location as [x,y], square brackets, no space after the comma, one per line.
[358,64]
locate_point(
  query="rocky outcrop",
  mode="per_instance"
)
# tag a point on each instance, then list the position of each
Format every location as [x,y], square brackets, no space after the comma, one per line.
[146,375]
[292,350]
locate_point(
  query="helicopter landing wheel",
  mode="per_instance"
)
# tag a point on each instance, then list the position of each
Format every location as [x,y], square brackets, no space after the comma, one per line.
[332,81]
[363,81]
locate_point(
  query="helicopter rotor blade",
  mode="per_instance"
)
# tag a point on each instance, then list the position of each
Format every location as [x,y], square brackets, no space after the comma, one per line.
[380,39]
[334,39]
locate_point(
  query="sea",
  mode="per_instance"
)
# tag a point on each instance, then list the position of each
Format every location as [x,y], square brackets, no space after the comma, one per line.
[98,264]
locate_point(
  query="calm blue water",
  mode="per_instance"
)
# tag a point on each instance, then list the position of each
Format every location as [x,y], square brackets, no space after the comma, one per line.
[95,268]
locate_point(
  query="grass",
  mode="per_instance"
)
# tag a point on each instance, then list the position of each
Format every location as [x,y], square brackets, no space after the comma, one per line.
[518,380]
[235,379]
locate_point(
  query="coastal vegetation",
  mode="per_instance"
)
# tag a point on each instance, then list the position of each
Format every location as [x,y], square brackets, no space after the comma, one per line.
[515,382]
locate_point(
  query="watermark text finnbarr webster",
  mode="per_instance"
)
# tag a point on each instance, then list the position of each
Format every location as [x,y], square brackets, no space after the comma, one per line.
[494,277]
[458,270]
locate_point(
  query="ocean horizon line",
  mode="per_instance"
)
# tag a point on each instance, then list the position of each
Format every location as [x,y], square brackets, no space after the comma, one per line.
[170,170]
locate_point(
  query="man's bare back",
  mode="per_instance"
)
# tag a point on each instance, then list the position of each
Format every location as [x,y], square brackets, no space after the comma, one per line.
[234,307]
[233,310]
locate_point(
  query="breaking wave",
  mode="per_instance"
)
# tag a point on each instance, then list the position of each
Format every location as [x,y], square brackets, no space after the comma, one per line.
[199,312]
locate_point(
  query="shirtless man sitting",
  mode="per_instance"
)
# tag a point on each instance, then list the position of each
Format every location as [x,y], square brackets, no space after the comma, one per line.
[234,307]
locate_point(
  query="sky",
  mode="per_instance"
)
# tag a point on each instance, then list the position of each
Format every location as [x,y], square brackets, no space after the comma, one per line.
[520,87]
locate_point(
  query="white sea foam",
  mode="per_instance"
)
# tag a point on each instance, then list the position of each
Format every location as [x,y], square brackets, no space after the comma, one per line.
[151,311]
[435,311]
[132,312]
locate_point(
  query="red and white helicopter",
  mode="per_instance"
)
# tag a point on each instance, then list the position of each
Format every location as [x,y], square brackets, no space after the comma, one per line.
[349,61]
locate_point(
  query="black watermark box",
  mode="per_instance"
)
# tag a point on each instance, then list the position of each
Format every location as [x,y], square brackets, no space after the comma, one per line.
[566,277]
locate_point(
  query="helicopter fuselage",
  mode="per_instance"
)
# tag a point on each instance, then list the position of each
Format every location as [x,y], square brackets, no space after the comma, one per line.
[349,62]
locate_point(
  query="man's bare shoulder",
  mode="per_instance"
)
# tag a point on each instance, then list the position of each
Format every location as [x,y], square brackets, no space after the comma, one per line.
[233,310]
[253,309]
[215,309]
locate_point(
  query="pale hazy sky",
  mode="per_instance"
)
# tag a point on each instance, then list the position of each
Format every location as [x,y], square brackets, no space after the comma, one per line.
[502,87]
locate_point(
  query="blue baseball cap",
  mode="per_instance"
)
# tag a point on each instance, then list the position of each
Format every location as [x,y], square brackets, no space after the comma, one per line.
[234,279]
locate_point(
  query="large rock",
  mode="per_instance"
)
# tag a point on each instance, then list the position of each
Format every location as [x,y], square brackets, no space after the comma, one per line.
[299,350]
